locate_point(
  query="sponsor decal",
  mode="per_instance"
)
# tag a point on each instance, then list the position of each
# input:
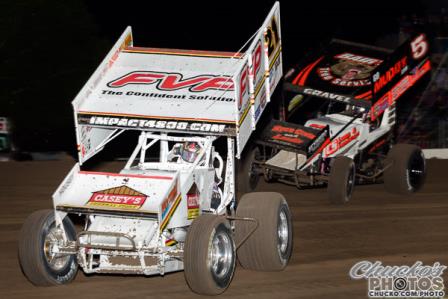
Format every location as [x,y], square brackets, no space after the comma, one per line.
[377,145]
[288,138]
[351,70]
[401,281]
[381,80]
[318,142]
[261,106]
[244,87]
[170,242]
[341,142]
[396,91]
[379,107]
[272,37]
[138,123]
[290,135]
[169,205]
[174,81]
[274,72]
[358,58]
[317,126]
[118,197]
[66,184]
[169,200]
[248,75]
[193,205]
[327,95]
[127,42]
[165,96]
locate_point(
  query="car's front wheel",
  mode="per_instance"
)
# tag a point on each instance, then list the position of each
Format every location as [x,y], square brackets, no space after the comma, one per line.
[209,255]
[342,180]
[38,255]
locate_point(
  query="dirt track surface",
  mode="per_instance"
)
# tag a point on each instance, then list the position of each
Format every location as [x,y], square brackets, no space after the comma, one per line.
[328,240]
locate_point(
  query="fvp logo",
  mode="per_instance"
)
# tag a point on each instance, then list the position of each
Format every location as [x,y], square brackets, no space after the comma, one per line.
[174,81]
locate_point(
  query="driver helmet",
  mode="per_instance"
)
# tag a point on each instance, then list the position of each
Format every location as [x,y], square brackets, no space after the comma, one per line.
[189,151]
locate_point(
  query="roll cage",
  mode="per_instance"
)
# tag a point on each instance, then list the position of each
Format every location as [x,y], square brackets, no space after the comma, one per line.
[168,161]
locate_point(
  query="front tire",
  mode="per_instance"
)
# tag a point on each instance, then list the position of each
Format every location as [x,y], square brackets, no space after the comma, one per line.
[40,265]
[269,247]
[342,180]
[405,171]
[209,255]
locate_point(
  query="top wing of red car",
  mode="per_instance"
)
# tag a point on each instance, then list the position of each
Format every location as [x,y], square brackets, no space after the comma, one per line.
[359,74]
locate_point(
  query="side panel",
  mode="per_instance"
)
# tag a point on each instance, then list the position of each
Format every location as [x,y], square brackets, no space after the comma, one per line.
[388,98]
[244,106]
[170,205]
[266,67]
[190,202]
[259,76]
[89,138]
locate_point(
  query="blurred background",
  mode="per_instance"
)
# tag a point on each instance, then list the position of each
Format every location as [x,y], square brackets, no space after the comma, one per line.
[49,49]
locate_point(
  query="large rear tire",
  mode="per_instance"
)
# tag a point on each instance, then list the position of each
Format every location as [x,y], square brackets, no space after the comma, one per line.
[40,265]
[405,171]
[247,179]
[209,255]
[269,247]
[342,180]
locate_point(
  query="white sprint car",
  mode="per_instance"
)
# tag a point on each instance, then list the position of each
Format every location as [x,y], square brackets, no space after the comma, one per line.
[173,206]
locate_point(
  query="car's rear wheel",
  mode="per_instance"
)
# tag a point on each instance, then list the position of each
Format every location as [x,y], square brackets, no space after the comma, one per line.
[247,178]
[269,247]
[38,256]
[342,180]
[405,169]
[209,255]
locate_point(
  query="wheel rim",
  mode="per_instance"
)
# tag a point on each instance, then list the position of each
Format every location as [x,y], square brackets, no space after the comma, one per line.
[221,255]
[54,260]
[416,170]
[283,233]
[350,181]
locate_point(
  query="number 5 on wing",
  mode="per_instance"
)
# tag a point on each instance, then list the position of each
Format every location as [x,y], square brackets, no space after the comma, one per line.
[419,46]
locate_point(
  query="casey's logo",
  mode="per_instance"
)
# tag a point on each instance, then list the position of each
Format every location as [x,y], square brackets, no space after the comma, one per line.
[118,197]
[174,81]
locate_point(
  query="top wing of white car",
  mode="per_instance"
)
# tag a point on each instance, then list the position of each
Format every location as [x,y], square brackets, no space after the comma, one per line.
[146,84]
[166,90]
